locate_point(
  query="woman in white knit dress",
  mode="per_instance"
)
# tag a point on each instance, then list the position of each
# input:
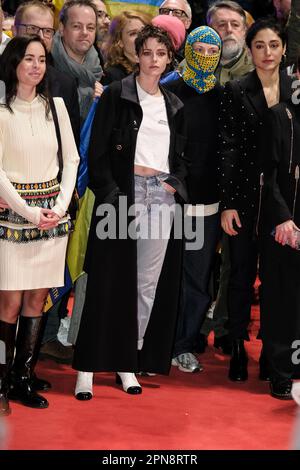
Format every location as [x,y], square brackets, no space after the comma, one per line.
[34,224]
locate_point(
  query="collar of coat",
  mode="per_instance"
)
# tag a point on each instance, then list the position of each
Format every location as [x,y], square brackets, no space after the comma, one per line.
[129,93]
[253,88]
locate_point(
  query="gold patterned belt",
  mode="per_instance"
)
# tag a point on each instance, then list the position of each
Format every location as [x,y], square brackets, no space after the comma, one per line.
[32,190]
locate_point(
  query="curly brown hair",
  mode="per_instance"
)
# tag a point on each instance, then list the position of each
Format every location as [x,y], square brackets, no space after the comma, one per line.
[115,54]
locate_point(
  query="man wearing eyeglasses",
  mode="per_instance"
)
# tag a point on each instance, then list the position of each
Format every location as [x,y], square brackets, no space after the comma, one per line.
[179,8]
[103,22]
[182,10]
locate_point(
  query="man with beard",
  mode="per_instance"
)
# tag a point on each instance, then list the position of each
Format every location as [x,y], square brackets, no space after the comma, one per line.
[229,20]
[103,22]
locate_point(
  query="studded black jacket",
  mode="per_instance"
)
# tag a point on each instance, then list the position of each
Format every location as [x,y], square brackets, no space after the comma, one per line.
[241,132]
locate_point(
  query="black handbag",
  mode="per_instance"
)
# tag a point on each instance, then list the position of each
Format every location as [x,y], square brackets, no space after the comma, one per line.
[74,204]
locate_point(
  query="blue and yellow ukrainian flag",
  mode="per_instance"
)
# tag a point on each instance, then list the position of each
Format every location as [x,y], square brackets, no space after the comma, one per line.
[147,6]
[116,6]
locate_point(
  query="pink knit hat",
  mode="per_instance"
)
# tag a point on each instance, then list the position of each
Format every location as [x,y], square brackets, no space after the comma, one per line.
[173,26]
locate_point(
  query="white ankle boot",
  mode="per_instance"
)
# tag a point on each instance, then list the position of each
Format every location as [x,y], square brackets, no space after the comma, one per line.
[84,386]
[129,382]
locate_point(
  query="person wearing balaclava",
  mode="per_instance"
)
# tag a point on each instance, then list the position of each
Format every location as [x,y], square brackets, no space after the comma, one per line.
[200,93]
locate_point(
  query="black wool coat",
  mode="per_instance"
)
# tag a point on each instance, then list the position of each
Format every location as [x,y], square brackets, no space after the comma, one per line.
[241,122]
[107,338]
[201,116]
[280,265]
[281,166]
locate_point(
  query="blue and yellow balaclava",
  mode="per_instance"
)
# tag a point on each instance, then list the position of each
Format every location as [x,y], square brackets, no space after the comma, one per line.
[199,68]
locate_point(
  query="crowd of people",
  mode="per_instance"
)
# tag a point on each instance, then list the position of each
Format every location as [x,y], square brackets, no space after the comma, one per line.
[193,150]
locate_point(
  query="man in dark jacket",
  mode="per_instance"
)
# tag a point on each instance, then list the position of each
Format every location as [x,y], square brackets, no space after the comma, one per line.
[74,53]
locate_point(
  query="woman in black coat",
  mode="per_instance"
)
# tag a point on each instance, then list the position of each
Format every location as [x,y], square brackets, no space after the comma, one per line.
[243,108]
[113,336]
[279,260]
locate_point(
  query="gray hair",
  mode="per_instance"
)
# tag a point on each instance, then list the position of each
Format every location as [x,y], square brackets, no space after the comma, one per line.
[230,5]
[186,4]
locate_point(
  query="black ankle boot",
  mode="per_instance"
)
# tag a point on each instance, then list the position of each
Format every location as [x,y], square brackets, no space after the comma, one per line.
[238,364]
[225,343]
[264,369]
[281,388]
[28,337]
[7,338]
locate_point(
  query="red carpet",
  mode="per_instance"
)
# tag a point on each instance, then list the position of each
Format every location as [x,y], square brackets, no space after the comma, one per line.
[183,411]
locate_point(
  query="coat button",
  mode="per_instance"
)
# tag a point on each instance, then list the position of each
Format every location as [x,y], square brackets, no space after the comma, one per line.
[119,147]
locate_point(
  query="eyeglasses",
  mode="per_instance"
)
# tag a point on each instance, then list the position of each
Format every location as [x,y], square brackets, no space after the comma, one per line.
[173,11]
[32,29]
[102,14]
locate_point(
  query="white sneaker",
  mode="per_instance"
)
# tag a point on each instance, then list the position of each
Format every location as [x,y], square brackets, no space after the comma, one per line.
[63,331]
[84,386]
[187,362]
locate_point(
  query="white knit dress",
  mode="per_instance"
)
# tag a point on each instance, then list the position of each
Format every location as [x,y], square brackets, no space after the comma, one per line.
[31,258]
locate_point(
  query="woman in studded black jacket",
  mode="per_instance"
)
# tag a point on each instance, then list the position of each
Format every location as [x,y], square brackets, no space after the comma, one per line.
[243,109]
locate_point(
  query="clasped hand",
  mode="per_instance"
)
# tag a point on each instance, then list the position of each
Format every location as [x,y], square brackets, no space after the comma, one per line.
[48,219]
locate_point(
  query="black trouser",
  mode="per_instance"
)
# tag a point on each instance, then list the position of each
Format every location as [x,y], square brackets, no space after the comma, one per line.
[218,323]
[195,298]
[280,307]
[243,258]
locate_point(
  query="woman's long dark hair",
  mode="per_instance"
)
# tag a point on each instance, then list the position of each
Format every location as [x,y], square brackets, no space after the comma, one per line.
[13,54]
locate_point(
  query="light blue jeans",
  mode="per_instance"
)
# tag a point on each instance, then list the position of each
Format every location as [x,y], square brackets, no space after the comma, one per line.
[154,218]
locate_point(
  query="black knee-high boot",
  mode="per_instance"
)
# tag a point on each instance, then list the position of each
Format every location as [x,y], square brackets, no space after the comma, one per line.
[7,347]
[37,383]
[27,342]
